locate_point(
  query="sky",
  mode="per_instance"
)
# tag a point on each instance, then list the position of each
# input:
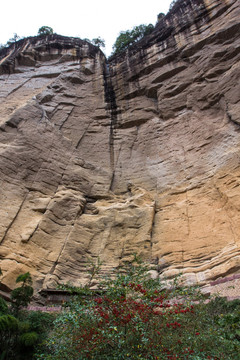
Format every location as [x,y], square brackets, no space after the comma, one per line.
[78,18]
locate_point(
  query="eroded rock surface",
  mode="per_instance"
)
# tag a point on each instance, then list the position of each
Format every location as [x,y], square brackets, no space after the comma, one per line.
[136,155]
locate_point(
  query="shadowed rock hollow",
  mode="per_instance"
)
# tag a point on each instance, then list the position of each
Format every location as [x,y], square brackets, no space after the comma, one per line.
[138,154]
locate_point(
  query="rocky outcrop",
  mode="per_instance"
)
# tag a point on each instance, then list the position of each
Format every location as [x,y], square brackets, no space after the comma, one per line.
[136,155]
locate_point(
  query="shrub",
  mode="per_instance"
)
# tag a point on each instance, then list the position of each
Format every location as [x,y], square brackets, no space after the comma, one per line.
[137,317]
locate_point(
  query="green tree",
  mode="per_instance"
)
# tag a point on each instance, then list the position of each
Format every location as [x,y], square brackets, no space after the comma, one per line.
[21,296]
[129,37]
[22,330]
[13,40]
[45,30]
[99,42]
[161,16]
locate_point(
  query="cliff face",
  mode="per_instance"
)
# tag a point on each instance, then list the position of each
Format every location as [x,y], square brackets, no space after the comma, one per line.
[136,155]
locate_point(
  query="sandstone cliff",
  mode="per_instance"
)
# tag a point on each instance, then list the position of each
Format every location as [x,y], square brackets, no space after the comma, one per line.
[138,154]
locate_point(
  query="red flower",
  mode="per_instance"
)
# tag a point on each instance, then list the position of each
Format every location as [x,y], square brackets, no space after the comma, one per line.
[197,333]
[98,300]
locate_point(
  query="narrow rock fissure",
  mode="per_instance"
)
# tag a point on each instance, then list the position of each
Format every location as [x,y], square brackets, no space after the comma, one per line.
[13,220]
[34,231]
[81,138]
[111,108]
[60,127]
[153,223]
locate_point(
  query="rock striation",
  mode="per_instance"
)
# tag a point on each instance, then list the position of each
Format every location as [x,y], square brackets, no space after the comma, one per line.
[135,154]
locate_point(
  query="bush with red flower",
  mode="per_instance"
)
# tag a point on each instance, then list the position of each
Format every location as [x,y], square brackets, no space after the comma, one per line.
[137,317]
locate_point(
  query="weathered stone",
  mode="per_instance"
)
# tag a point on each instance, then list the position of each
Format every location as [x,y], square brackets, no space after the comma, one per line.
[137,155]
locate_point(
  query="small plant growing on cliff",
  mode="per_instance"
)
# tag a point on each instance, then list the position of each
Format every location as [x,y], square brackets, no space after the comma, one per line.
[45,30]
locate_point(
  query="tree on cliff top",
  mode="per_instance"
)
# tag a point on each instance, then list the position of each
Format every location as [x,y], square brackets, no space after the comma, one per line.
[45,30]
[129,37]
[13,40]
[99,42]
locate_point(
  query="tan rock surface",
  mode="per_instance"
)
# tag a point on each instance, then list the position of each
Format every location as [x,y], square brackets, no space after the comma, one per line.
[140,155]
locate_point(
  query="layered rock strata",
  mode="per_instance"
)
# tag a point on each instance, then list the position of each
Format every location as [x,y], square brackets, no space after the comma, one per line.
[138,154]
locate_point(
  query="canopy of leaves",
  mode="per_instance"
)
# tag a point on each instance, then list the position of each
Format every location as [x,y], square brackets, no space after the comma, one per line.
[25,278]
[129,37]
[45,30]
[29,339]
[3,307]
[98,42]
[21,296]
[8,323]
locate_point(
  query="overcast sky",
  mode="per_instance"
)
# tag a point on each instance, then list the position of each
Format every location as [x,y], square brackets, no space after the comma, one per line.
[81,18]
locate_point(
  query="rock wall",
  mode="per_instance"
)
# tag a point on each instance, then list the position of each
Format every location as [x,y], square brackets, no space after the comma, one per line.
[138,154]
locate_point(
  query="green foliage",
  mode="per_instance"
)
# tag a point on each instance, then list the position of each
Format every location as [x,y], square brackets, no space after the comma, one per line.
[19,334]
[161,16]
[227,316]
[13,40]
[28,339]
[138,317]
[16,339]
[99,42]
[129,37]
[8,323]
[8,334]
[24,278]
[21,296]
[40,322]
[3,307]
[45,30]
